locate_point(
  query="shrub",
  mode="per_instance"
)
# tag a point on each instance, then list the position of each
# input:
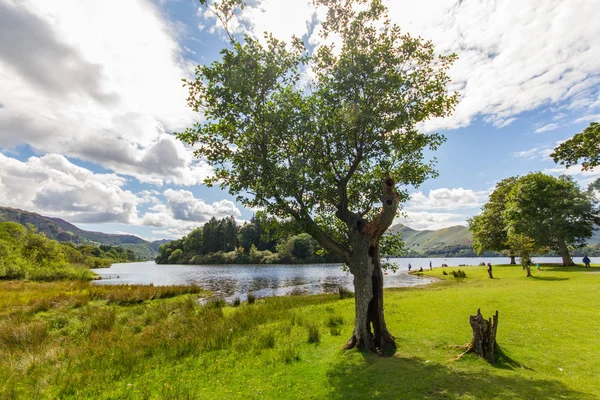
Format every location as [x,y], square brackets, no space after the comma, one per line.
[267,341]
[251,298]
[345,293]
[459,274]
[444,272]
[237,302]
[335,320]
[216,303]
[290,354]
[314,336]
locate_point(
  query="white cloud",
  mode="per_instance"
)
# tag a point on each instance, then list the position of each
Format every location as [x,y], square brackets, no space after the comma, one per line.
[509,62]
[80,79]
[446,199]
[546,128]
[54,186]
[584,178]
[534,153]
[588,118]
[184,212]
[421,220]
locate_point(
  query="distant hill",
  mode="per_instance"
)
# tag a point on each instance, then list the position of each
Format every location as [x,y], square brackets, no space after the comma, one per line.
[452,241]
[62,231]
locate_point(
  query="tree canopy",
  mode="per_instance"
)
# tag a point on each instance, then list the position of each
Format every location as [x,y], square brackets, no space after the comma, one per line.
[554,212]
[331,151]
[533,212]
[583,146]
[489,233]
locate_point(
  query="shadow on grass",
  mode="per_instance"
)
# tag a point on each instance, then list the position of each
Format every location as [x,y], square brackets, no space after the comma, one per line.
[504,361]
[572,268]
[413,378]
[548,278]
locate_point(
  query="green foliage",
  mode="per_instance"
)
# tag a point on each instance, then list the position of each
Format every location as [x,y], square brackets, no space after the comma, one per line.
[553,212]
[216,235]
[314,335]
[321,149]
[345,293]
[583,146]
[488,228]
[26,254]
[458,274]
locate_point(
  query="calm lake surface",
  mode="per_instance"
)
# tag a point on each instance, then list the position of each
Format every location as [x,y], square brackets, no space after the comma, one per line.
[230,281]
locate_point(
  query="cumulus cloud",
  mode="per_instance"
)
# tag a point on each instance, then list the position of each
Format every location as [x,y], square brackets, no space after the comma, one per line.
[78,78]
[54,186]
[422,220]
[446,199]
[509,62]
[184,212]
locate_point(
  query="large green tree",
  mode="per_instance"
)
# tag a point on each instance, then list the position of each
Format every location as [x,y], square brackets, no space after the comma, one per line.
[489,233]
[554,212]
[331,151]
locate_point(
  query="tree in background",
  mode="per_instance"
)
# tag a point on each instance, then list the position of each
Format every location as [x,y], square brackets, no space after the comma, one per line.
[489,233]
[554,212]
[524,247]
[583,146]
[335,148]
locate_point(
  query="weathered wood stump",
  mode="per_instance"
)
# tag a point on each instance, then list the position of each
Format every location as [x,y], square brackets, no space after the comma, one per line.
[484,336]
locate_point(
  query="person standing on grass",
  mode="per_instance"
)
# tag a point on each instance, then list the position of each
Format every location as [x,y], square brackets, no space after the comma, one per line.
[586,260]
[489,269]
[430,266]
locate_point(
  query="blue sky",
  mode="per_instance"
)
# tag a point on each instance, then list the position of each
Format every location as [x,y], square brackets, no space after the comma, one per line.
[90,93]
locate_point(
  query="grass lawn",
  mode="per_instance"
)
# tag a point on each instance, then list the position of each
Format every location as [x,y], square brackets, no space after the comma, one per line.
[71,340]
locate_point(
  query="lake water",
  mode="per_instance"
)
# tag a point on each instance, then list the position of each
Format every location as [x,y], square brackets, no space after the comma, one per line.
[230,281]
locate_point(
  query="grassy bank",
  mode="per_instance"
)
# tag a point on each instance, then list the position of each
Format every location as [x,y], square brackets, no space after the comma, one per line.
[72,340]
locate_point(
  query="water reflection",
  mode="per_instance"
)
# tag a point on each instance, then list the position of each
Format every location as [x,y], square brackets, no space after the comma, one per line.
[230,281]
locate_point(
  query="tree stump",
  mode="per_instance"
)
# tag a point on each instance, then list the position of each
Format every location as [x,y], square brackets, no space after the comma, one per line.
[484,336]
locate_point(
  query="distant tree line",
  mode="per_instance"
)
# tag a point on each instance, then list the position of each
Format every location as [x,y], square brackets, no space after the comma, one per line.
[256,242]
[27,254]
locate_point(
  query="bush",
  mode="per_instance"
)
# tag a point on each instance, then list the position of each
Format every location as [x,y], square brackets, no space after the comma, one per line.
[290,354]
[345,293]
[237,302]
[216,303]
[251,298]
[459,274]
[314,336]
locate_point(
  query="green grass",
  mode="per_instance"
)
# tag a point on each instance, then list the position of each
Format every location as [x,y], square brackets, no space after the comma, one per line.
[60,340]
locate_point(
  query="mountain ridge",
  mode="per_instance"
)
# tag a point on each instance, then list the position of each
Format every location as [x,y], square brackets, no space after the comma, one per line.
[63,231]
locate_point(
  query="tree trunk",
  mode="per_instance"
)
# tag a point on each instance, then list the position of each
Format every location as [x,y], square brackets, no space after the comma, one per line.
[484,336]
[512,259]
[528,269]
[370,330]
[564,253]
